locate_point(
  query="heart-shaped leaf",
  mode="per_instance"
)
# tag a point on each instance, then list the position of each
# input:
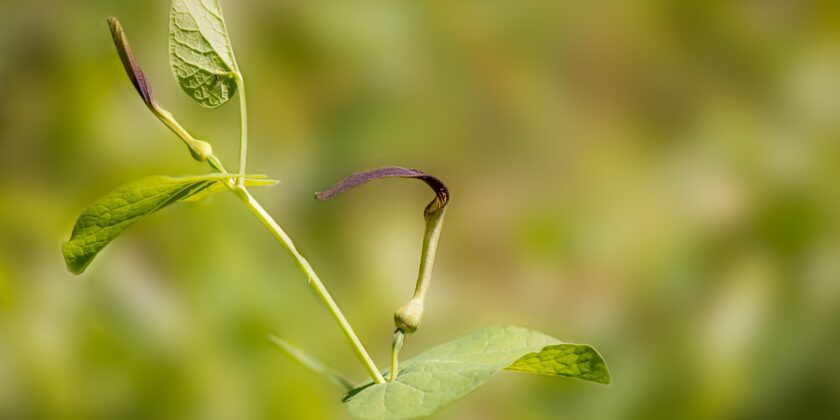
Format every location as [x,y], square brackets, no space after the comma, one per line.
[200,52]
[438,377]
[112,214]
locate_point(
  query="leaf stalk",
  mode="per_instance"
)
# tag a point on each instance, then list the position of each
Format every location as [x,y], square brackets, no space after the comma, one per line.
[396,346]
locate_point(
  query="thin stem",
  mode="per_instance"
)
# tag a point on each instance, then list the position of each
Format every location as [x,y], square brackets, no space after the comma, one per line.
[312,363]
[216,164]
[396,346]
[243,125]
[192,143]
[167,119]
[313,280]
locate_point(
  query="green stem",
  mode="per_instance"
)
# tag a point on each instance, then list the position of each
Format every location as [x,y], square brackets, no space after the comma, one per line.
[169,121]
[396,346]
[243,125]
[199,149]
[313,280]
[216,164]
[312,363]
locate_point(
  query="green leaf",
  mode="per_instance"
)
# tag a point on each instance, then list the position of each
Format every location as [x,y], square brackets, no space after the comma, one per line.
[200,52]
[438,377]
[112,214]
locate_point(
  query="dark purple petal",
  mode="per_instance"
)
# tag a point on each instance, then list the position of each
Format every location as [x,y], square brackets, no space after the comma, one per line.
[359,178]
[135,73]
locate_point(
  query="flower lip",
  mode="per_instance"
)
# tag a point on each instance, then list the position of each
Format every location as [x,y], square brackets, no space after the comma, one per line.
[359,178]
[135,73]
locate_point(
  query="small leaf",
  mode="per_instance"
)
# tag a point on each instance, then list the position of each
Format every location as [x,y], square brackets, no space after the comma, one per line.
[135,73]
[432,380]
[359,178]
[112,214]
[200,52]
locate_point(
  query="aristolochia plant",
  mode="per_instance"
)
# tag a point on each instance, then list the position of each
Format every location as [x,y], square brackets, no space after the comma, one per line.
[202,60]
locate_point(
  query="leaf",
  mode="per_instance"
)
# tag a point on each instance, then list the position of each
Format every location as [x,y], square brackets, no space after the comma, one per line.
[135,73]
[359,178]
[200,52]
[112,214]
[448,372]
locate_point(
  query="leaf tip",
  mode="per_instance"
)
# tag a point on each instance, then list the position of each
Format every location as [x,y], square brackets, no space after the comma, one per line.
[605,377]
[599,371]
[74,264]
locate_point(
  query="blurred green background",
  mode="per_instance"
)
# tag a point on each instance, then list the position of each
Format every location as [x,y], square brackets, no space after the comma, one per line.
[657,178]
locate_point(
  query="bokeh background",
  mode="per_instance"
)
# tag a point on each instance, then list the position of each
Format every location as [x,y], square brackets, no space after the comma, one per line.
[656,178]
